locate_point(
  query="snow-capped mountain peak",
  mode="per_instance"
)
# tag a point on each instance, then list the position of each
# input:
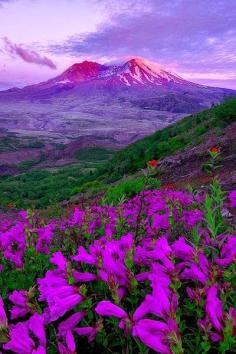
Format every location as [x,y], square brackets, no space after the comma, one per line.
[79,72]
[145,64]
[135,73]
[139,71]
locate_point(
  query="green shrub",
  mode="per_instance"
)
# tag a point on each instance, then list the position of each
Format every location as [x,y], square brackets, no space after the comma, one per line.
[26,165]
[128,188]
[92,187]
[93,154]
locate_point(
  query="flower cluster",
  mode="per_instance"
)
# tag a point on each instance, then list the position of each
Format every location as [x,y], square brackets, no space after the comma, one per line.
[156,272]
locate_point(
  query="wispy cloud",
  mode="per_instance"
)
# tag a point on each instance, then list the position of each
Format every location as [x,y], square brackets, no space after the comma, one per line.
[29,56]
[191,36]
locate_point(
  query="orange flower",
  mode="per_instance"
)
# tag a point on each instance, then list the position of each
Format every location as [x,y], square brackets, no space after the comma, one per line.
[11,205]
[215,150]
[152,163]
[170,186]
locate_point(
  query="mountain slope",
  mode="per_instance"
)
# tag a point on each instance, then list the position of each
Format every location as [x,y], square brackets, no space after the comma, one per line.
[121,103]
[188,132]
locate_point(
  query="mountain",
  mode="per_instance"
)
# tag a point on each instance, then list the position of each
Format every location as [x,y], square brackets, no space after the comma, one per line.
[74,75]
[143,73]
[135,73]
[115,103]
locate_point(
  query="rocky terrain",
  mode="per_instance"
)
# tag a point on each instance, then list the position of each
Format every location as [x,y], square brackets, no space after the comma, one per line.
[186,166]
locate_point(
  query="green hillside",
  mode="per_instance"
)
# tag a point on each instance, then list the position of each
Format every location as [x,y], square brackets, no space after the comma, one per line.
[42,188]
[189,131]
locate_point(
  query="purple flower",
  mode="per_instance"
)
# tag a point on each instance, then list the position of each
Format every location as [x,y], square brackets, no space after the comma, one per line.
[65,330]
[160,250]
[194,294]
[185,199]
[59,260]
[77,218]
[232,199]
[21,341]
[182,250]
[62,349]
[60,296]
[84,257]
[214,308]
[205,325]
[36,325]
[84,276]
[160,221]
[20,301]
[142,276]
[228,252]
[89,332]
[153,334]
[70,322]
[107,308]
[125,243]
[113,264]
[159,277]
[23,214]
[193,272]
[13,244]
[192,217]
[152,305]
[45,235]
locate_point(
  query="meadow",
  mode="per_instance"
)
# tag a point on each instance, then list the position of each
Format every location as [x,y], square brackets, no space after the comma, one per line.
[155,273]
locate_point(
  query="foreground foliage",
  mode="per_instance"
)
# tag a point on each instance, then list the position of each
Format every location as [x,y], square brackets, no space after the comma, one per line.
[153,274]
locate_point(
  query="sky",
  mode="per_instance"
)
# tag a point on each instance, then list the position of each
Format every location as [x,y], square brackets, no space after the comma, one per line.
[194,38]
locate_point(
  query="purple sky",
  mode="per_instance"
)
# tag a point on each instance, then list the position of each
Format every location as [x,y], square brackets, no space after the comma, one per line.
[41,38]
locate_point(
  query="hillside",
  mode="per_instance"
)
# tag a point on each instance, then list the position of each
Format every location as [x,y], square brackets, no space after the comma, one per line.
[190,131]
[181,148]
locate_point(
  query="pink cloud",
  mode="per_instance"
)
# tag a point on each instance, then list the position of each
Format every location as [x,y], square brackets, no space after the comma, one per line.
[29,56]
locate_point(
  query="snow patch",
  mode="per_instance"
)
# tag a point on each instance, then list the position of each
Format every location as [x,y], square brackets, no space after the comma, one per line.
[137,74]
[124,80]
[64,82]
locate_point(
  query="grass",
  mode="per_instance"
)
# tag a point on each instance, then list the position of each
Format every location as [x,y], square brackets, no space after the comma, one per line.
[93,154]
[40,188]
